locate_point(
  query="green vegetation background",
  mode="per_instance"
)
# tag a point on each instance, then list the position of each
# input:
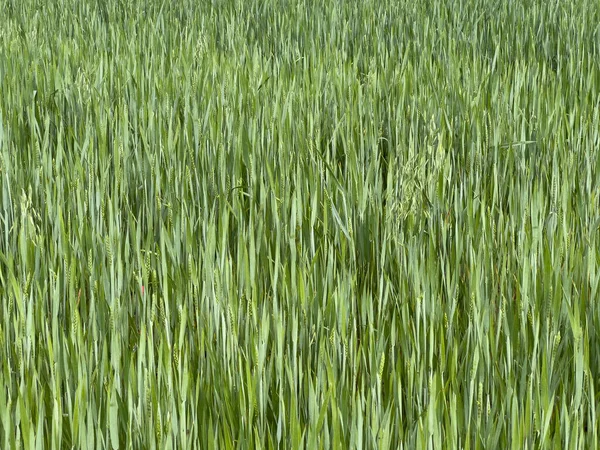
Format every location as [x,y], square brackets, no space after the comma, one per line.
[299,224]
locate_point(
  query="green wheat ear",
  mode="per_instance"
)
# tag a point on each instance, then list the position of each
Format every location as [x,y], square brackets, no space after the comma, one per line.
[176,356]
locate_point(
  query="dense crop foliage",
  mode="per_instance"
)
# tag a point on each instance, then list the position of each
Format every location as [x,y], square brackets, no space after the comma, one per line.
[299,224]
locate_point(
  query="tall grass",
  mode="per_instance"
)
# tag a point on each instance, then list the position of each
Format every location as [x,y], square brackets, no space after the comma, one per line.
[299,224]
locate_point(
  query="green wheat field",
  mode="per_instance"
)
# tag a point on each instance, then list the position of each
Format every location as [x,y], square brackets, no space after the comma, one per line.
[299,224]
